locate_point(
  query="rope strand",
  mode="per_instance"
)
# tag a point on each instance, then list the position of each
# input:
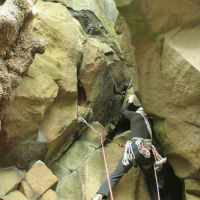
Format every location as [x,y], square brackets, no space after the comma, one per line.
[104,155]
[81,119]
[106,168]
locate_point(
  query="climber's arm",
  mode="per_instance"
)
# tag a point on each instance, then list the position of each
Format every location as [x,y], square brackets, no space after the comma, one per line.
[126,108]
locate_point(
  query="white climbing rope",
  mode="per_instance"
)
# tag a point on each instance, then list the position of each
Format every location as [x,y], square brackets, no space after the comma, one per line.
[155,173]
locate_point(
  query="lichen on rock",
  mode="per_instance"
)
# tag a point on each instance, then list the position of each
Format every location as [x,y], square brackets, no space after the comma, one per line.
[17,44]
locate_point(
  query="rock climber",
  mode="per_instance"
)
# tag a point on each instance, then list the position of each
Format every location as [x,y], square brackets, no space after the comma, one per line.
[137,152]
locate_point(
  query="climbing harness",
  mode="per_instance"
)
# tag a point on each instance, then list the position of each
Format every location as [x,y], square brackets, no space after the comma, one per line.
[81,119]
[129,155]
[159,160]
[142,149]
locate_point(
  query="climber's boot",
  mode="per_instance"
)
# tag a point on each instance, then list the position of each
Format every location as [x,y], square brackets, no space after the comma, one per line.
[98,197]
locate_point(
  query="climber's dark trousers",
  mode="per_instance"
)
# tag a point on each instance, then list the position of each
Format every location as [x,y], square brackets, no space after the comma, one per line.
[147,168]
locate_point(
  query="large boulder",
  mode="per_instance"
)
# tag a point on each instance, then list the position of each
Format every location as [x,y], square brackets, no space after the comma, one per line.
[46,98]
[10,180]
[178,101]
[166,75]
[39,178]
[14,195]
[101,63]
[147,18]
[18,46]
[97,18]
[49,195]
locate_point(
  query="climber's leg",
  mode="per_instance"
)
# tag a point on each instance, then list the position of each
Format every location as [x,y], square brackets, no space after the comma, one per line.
[117,174]
[151,181]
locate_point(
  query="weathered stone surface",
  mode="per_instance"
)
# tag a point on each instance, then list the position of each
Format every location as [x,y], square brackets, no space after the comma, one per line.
[16,195]
[93,135]
[10,179]
[173,83]
[82,179]
[70,186]
[80,151]
[192,186]
[40,183]
[165,78]
[166,75]
[26,189]
[85,112]
[49,90]
[101,63]
[17,45]
[27,151]
[147,17]
[49,195]
[95,166]
[31,99]
[105,13]
[64,53]
[75,156]
[191,197]
[125,41]
[180,92]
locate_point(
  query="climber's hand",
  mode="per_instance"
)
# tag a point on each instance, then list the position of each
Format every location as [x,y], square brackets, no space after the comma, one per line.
[98,197]
[130,99]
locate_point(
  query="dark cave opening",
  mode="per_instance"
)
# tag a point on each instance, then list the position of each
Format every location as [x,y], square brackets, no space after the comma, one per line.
[81,95]
[2,2]
[173,186]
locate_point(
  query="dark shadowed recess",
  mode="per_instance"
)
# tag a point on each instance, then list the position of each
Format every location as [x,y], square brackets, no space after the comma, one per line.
[2,2]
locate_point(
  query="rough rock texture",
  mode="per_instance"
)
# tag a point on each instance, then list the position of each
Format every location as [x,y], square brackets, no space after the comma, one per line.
[90,56]
[78,167]
[49,195]
[56,82]
[49,90]
[17,44]
[192,186]
[40,179]
[14,195]
[10,179]
[31,185]
[191,197]
[166,40]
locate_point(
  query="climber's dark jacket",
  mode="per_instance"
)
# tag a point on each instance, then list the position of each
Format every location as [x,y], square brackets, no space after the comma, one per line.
[138,129]
[137,124]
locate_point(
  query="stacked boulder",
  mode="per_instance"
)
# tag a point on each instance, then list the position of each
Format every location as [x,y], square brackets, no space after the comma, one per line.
[36,183]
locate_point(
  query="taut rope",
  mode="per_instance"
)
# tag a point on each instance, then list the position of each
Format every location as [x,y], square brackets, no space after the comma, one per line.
[81,119]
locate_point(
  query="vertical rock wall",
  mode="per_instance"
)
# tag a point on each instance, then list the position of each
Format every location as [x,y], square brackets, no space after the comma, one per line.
[91,54]
[166,40]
